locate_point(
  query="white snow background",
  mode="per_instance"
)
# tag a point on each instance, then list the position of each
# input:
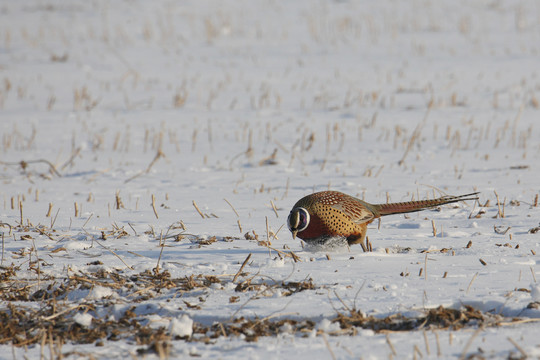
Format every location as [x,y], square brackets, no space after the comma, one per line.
[243,107]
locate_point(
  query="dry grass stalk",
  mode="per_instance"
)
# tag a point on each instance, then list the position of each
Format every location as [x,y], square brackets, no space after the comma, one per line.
[367,247]
[118,201]
[414,137]
[280,253]
[241,268]
[499,229]
[162,245]
[158,156]
[427,343]
[197,208]
[239,226]
[3,248]
[286,193]
[439,353]
[416,350]
[76,206]
[87,220]
[154,206]
[328,346]
[74,154]
[425,266]
[267,231]
[180,98]
[274,208]
[24,165]
[232,207]
[470,284]
[194,140]
[474,207]
[500,212]
[21,211]
[115,254]
[519,348]
[469,343]
[392,349]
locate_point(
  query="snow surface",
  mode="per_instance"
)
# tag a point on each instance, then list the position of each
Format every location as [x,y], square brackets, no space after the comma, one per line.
[182,326]
[84,319]
[246,106]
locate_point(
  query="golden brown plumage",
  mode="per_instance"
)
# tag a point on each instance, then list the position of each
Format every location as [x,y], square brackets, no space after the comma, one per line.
[332,214]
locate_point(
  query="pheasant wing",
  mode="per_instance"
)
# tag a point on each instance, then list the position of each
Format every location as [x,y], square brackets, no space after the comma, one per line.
[358,211]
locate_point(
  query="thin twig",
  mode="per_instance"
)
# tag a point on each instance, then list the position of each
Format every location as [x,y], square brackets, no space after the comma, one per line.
[342,302]
[470,284]
[162,245]
[267,232]
[24,164]
[197,208]
[274,208]
[54,220]
[241,268]
[425,267]
[414,137]
[427,343]
[519,348]
[48,318]
[390,345]
[159,155]
[154,206]
[517,322]
[115,254]
[469,343]
[439,353]
[71,158]
[328,346]
[87,220]
[131,226]
[2,261]
[232,207]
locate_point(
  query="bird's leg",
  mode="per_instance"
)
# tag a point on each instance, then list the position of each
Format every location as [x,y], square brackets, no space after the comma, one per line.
[363,246]
[358,239]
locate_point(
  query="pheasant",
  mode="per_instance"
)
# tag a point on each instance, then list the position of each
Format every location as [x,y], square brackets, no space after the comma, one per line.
[328,214]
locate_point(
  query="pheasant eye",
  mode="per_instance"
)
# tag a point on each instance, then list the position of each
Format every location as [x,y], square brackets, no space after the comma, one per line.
[303,219]
[298,219]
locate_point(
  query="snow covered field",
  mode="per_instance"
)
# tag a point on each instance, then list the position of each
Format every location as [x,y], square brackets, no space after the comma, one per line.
[149,147]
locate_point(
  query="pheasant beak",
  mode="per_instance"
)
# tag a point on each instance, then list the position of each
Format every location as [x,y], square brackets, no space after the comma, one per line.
[294,234]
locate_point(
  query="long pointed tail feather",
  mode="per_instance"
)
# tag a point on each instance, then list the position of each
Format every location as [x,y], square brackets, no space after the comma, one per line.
[412,206]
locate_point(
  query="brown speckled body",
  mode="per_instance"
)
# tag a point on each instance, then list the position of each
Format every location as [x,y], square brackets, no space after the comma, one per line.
[336,214]
[332,213]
